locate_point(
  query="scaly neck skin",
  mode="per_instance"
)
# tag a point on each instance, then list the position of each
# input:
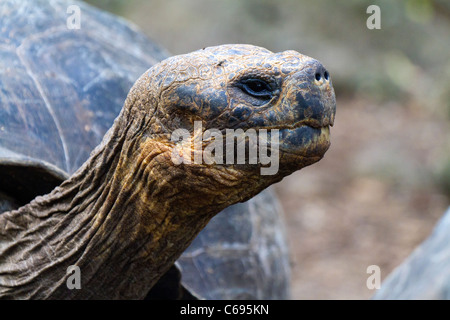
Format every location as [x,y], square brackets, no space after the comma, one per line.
[123,219]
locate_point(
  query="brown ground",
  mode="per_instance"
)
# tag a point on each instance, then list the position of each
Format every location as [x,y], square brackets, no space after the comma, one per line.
[367,202]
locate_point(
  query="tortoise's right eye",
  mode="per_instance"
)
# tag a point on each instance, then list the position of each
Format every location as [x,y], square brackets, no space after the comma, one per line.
[256,88]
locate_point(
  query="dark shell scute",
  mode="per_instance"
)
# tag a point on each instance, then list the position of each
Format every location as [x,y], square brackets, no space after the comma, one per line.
[27,127]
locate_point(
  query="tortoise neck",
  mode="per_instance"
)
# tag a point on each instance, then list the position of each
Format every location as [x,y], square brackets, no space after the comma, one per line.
[74,225]
[123,219]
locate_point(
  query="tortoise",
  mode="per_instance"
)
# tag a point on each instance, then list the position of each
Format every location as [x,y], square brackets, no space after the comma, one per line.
[123,212]
[34,160]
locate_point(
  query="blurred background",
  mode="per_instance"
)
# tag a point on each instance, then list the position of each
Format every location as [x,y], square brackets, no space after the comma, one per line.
[385,181]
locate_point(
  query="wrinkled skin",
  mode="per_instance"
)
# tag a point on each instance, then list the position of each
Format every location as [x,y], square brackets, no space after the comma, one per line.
[128,213]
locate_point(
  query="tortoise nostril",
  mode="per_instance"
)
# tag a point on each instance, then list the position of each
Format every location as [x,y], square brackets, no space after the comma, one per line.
[321,75]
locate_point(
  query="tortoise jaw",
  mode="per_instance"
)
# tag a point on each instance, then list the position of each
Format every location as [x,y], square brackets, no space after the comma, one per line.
[309,137]
[305,140]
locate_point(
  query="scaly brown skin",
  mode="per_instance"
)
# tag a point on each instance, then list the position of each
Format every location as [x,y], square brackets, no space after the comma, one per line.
[128,213]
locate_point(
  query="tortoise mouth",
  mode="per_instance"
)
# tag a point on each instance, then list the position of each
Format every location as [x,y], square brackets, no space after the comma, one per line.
[313,123]
[295,143]
[305,140]
[307,137]
[295,148]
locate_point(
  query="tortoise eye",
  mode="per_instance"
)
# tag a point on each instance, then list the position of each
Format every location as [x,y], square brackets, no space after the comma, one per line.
[256,87]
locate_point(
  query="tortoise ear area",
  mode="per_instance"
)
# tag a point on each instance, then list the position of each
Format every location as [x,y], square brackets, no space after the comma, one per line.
[207,103]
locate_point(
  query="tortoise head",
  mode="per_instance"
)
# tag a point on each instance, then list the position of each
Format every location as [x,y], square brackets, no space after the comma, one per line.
[279,104]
